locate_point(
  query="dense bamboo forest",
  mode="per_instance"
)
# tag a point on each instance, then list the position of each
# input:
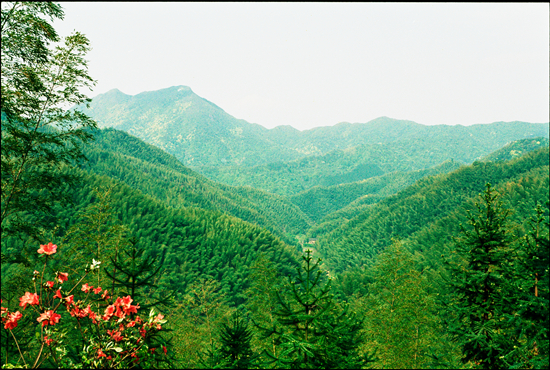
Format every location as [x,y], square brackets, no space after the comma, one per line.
[381,245]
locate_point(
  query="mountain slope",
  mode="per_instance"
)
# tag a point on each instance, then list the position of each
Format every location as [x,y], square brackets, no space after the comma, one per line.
[193,129]
[152,171]
[319,202]
[420,147]
[284,160]
[417,208]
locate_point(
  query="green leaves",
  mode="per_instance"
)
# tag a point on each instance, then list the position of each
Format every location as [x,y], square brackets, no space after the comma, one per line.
[39,136]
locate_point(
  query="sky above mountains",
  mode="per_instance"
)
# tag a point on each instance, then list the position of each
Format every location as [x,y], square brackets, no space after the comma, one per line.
[317,64]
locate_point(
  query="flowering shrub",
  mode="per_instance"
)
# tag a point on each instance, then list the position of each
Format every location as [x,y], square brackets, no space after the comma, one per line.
[111,331]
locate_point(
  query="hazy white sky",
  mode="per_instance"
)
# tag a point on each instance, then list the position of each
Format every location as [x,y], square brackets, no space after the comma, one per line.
[317,64]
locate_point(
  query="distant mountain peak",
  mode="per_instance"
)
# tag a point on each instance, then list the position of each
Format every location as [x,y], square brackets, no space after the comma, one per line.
[114,92]
[184,88]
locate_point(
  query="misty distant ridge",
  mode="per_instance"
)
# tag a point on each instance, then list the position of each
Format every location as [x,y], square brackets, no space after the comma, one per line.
[179,91]
[285,160]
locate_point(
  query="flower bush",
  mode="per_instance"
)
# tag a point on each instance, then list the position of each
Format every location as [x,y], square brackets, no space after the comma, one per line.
[110,331]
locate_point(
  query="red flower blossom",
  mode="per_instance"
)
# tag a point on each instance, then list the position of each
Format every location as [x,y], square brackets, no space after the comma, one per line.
[47,341]
[70,300]
[142,331]
[75,311]
[119,312]
[105,295]
[100,353]
[29,298]
[49,284]
[62,276]
[164,349]
[97,290]
[91,314]
[11,320]
[126,301]
[81,313]
[87,311]
[86,288]
[48,249]
[48,318]
[115,334]
[131,309]
[58,294]
[109,311]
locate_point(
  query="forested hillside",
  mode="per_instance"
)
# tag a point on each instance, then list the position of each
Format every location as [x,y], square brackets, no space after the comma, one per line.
[284,160]
[432,201]
[115,253]
[319,202]
[161,176]
[199,244]
[194,130]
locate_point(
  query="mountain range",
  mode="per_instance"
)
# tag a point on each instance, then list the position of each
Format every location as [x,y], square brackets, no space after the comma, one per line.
[284,160]
[228,211]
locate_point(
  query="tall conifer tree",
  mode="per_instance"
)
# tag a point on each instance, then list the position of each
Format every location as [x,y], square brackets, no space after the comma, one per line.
[482,296]
[530,276]
[312,331]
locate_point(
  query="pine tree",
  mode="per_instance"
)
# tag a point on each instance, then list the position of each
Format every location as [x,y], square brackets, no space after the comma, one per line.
[311,330]
[235,348]
[265,282]
[136,275]
[482,296]
[530,274]
[97,234]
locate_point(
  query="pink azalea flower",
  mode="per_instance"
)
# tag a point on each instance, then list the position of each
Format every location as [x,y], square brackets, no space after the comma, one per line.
[29,298]
[48,249]
[109,311]
[12,319]
[48,318]
[62,276]
[70,300]
[86,288]
[58,294]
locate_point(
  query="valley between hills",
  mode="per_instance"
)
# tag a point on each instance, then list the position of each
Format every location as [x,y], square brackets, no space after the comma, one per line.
[228,207]
[158,231]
